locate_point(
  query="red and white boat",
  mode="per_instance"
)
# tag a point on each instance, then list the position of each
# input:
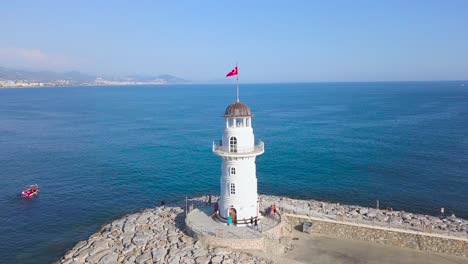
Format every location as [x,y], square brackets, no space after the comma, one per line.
[30,191]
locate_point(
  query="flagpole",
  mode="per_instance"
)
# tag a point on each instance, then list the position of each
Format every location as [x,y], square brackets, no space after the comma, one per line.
[237,82]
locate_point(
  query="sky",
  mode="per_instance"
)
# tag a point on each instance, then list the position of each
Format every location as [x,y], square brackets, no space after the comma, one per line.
[272,41]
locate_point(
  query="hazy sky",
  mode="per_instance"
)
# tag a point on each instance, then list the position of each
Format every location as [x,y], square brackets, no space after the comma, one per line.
[273,41]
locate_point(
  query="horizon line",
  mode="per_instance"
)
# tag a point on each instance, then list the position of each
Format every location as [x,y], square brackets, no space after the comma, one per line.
[306,82]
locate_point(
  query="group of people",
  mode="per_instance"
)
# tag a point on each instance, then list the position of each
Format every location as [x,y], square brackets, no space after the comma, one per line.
[271,210]
[254,222]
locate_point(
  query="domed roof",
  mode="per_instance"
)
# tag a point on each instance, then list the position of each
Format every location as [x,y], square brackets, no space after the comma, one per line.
[237,109]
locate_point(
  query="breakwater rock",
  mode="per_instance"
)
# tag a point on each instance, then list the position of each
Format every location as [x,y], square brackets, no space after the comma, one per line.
[156,235]
[450,225]
[150,236]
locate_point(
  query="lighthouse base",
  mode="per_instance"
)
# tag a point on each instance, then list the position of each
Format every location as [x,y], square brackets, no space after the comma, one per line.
[213,230]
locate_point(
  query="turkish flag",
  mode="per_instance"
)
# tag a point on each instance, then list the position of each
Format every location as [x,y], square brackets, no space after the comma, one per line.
[232,73]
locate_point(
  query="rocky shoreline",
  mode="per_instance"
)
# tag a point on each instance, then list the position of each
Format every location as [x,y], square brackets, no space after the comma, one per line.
[151,236]
[156,235]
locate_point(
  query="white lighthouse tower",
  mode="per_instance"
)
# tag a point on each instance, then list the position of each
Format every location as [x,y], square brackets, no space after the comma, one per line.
[238,150]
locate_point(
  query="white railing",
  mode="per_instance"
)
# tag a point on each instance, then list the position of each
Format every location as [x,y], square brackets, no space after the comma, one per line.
[225,150]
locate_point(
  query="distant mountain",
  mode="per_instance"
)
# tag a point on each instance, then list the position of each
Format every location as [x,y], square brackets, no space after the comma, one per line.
[44,76]
[172,79]
[75,77]
[150,78]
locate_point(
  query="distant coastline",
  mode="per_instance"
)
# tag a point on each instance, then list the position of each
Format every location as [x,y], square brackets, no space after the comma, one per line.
[15,78]
[84,85]
[110,84]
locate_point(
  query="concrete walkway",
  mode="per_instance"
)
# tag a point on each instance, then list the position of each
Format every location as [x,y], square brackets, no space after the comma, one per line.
[200,221]
[320,249]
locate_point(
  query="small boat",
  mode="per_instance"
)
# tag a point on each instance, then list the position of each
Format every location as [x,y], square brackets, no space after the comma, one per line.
[30,191]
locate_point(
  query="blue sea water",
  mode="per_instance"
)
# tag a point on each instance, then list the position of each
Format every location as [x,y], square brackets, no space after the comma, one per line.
[100,152]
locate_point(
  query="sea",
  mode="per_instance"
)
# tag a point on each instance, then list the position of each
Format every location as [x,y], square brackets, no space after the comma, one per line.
[98,153]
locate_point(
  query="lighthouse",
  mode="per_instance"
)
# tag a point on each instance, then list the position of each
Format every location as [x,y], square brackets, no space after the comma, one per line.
[238,151]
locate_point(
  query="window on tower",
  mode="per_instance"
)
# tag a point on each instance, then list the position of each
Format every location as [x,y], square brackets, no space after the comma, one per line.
[233,144]
[232,171]
[233,188]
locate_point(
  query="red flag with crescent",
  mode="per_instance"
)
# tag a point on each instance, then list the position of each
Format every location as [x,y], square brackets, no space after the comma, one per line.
[232,73]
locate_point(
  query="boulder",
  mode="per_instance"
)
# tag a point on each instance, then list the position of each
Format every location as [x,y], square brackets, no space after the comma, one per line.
[216,259]
[159,254]
[110,258]
[126,238]
[222,251]
[141,239]
[187,260]
[174,260]
[81,256]
[372,214]
[363,211]
[406,216]
[94,258]
[202,260]
[228,261]
[143,258]
[129,226]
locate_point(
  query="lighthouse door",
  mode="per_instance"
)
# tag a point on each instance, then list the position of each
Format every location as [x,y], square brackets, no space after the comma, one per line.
[233,214]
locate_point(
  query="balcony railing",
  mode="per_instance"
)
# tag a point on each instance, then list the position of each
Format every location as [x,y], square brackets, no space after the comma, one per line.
[221,150]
